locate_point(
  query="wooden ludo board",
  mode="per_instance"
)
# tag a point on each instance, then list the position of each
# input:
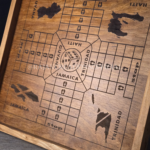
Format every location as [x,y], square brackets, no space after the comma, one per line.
[77,72]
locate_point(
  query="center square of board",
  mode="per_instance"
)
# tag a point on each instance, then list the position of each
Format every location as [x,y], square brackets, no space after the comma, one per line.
[79,72]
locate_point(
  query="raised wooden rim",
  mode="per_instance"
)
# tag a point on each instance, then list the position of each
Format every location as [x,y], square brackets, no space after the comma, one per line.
[29,138]
[142,118]
[7,27]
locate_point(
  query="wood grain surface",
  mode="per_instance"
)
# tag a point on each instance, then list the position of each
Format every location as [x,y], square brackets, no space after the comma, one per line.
[77,73]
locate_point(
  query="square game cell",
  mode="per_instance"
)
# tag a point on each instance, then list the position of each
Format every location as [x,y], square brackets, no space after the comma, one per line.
[93,30]
[63,26]
[29,68]
[99,4]
[41,71]
[104,47]
[74,112]
[65,19]
[120,50]
[112,48]
[17,65]
[76,104]
[49,87]
[129,51]
[78,95]
[69,3]
[45,104]
[95,83]
[138,52]
[49,38]
[95,22]
[35,69]
[24,35]
[67,11]
[72,121]
[36,36]
[111,87]
[103,85]
[70,130]
[47,95]
[30,36]
[98,13]
[43,37]
[41,120]
[23,67]
[129,91]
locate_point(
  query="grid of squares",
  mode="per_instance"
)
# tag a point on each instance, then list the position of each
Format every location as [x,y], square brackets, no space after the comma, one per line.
[35,52]
[81,18]
[115,64]
[63,105]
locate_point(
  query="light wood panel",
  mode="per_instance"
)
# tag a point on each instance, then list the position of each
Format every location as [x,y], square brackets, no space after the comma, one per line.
[7,28]
[77,73]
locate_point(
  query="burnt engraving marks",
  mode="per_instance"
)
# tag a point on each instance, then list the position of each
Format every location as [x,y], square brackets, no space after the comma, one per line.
[50,12]
[71,60]
[115,24]
[23,92]
[103,120]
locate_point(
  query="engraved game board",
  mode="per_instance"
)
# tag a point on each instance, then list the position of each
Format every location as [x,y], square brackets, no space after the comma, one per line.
[77,72]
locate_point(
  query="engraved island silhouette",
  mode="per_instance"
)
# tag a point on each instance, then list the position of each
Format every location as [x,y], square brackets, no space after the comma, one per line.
[50,11]
[103,120]
[115,24]
[24,91]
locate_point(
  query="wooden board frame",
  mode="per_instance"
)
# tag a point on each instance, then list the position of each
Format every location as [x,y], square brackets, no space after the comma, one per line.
[9,25]
[8,36]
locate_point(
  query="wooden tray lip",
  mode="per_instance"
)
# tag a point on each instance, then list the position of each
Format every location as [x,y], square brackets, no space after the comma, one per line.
[142,117]
[50,146]
[7,27]
[30,139]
